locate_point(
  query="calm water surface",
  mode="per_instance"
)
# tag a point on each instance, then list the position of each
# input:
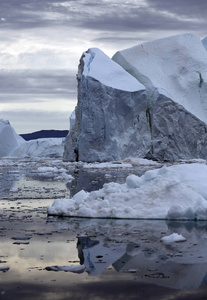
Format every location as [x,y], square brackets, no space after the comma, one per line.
[122,259]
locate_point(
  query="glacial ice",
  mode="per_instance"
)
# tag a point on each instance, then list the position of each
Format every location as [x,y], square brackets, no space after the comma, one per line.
[204,41]
[9,139]
[176,192]
[148,101]
[44,147]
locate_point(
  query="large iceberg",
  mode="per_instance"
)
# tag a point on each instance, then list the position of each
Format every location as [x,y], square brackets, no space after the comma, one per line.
[147,101]
[106,114]
[9,139]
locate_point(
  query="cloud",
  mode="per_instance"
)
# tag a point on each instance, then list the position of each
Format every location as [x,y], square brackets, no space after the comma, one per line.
[56,83]
[104,15]
[25,121]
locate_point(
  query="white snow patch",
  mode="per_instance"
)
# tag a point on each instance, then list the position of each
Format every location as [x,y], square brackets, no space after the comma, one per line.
[175,237]
[175,192]
[99,66]
[175,66]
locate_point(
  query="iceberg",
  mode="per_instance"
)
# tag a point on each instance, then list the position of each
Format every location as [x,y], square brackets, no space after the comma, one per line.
[12,144]
[106,113]
[148,101]
[44,147]
[9,139]
[177,192]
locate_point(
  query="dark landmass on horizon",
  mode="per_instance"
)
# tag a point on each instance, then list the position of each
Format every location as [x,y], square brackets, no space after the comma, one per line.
[44,134]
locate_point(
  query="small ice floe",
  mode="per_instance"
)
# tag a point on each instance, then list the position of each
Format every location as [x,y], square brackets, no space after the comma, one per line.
[173,238]
[4,269]
[14,190]
[107,165]
[21,243]
[22,238]
[71,268]
[55,173]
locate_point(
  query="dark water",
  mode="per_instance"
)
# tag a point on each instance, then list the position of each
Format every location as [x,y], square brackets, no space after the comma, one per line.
[123,259]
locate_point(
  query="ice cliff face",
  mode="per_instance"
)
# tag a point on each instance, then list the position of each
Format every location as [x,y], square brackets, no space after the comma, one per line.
[9,139]
[148,101]
[109,100]
[204,41]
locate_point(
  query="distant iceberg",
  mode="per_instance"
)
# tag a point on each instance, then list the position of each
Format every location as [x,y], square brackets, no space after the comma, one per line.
[11,144]
[9,139]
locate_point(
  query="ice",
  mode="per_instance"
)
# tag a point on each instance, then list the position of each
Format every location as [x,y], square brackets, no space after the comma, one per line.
[21,237]
[174,192]
[72,119]
[71,268]
[173,67]
[4,269]
[173,238]
[21,243]
[204,41]
[44,147]
[9,139]
[106,110]
[99,66]
[107,165]
[148,101]
[59,174]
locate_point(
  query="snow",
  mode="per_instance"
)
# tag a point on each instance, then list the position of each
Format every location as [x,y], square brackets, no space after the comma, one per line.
[175,66]
[175,192]
[9,139]
[99,66]
[174,237]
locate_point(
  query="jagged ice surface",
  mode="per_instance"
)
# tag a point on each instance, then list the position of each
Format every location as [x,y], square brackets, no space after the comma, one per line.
[149,101]
[9,139]
[175,192]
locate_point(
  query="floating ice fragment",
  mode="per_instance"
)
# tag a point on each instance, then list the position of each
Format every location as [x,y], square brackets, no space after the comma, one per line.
[4,269]
[71,268]
[175,237]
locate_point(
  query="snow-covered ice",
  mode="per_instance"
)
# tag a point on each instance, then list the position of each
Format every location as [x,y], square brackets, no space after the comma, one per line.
[175,192]
[98,65]
[147,101]
[173,238]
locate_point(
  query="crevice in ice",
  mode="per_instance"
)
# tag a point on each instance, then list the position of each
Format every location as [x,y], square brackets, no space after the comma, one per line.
[200,80]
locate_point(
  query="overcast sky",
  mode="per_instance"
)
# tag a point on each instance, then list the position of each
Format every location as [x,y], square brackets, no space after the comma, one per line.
[41,42]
